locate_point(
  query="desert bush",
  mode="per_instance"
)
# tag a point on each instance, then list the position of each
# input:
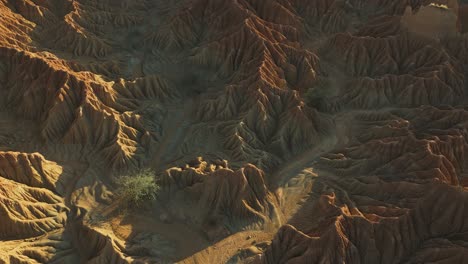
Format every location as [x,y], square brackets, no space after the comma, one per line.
[137,188]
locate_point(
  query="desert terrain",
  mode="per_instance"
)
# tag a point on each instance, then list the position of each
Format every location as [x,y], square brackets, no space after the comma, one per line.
[272,131]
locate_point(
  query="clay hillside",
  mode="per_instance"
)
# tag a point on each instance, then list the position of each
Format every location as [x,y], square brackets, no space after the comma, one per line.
[233,131]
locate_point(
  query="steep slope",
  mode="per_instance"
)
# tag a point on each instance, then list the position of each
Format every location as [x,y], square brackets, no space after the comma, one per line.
[298,131]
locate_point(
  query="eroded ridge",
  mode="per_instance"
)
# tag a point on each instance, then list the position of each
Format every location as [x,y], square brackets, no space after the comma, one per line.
[279,131]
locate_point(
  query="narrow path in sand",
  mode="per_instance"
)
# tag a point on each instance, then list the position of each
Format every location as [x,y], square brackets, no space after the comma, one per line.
[338,139]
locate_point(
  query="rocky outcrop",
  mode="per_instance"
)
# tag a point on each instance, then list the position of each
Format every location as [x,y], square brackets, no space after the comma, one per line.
[28,209]
[214,196]
[344,122]
[388,196]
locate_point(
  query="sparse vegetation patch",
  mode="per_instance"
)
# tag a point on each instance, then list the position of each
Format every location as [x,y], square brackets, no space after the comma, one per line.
[137,188]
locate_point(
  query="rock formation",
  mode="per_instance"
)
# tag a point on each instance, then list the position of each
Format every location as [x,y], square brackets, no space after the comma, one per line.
[279,131]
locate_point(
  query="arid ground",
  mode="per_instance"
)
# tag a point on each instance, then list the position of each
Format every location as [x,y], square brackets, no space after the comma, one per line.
[278,131]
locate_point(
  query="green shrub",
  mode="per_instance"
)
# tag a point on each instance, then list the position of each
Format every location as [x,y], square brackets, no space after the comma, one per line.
[137,188]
